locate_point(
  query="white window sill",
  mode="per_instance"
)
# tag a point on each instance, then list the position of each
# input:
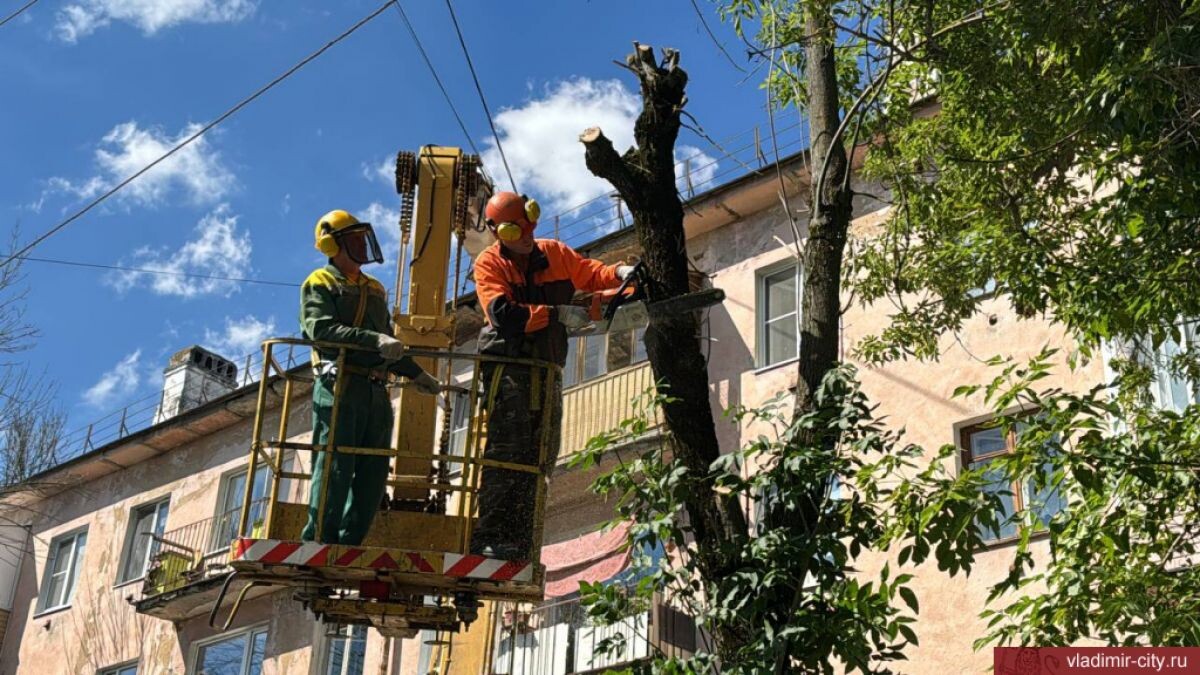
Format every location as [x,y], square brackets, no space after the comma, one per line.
[129,582]
[52,610]
[775,366]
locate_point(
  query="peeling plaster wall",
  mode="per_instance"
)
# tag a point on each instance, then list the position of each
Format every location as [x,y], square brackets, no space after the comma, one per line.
[914,395]
[100,628]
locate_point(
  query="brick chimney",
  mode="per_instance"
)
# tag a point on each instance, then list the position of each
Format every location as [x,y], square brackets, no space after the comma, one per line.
[193,377]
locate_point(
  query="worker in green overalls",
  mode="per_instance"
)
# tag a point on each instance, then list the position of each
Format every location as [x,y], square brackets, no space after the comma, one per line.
[341,303]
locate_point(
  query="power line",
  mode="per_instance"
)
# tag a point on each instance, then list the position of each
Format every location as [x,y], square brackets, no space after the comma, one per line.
[433,71]
[479,88]
[704,22]
[205,129]
[142,270]
[17,13]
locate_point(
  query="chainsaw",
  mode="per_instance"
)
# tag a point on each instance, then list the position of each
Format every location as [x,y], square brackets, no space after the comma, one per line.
[627,307]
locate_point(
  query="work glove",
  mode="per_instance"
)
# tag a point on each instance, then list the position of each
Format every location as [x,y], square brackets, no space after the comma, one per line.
[427,384]
[623,271]
[573,317]
[390,348]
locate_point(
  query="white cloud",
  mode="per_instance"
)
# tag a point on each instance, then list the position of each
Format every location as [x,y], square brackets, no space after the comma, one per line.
[83,18]
[196,170]
[240,336]
[703,168]
[383,171]
[119,382]
[219,249]
[541,141]
[285,207]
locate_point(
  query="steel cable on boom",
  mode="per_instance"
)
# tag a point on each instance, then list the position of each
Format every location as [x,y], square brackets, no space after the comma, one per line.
[479,88]
[203,130]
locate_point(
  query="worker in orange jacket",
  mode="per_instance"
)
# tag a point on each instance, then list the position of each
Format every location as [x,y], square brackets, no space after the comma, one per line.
[524,286]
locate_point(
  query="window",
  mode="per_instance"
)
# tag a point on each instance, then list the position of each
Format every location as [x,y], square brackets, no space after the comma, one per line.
[639,345]
[983,444]
[62,570]
[345,651]
[145,523]
[778,320]
[571,366]
[229,508]
[425,654]
[126,669]
[625,348]
[586,359]
[238,654]
[593,349]
[1171,389]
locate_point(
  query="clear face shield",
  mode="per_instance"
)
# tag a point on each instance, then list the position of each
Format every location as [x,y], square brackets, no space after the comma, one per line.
[360,244]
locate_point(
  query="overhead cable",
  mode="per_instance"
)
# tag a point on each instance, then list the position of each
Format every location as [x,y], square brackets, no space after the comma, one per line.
[17,13]
[203,130]
[479,88]
[142,270]
[433,71]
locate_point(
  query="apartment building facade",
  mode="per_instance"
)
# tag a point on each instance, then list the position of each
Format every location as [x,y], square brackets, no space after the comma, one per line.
[88,591]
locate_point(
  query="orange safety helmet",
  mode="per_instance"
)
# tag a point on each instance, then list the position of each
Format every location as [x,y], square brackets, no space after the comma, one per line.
[510,215]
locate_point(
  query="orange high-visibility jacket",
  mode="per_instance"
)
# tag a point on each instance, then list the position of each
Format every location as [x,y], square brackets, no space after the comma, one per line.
[519,305]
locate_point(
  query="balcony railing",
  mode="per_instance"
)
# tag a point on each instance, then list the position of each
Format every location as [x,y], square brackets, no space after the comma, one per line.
[601,404]
[557,638]
[194,552]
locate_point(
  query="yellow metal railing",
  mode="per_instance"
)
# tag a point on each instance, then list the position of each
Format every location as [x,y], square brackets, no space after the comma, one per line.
[601,404]
[269,445]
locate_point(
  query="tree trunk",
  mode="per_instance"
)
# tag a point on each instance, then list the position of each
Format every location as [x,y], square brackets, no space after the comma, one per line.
[820,307]
[645,179]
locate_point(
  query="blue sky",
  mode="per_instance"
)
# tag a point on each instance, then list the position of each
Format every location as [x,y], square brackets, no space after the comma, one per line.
[94,89]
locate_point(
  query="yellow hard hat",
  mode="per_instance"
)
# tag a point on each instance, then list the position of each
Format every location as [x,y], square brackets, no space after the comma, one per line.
[338,222]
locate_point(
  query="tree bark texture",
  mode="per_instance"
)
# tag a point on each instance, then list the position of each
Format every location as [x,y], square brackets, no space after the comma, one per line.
[644,176]
[829,223]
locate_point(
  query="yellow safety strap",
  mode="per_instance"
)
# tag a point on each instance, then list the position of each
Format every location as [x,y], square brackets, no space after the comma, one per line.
[494,386]
[360,313]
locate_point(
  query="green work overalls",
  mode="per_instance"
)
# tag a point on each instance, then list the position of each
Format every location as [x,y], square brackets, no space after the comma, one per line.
[336,309]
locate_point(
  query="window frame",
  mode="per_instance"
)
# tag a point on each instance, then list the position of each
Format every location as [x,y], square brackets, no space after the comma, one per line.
[120,668]
[460,401]
[131,535]
[762,276]
[72,572]
[326,651]
[198,646]
[577,352]
[1020,491]
[214,546]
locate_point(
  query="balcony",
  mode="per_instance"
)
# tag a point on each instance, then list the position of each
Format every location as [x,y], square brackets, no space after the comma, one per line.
[601,404]
[557,638]
[189,565]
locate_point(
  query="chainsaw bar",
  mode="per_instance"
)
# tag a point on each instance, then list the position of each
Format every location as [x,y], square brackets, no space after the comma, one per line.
[636,314]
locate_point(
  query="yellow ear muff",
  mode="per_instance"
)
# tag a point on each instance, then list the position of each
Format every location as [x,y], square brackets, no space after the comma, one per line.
[326,243]
[508,231]
[533,210]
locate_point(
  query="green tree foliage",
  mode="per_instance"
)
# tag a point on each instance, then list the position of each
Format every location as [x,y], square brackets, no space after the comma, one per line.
[892,498]
[1047,154]
[1058,159]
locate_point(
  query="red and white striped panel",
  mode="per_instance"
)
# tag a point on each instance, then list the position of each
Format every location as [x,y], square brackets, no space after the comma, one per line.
[277,552]
[479,567]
